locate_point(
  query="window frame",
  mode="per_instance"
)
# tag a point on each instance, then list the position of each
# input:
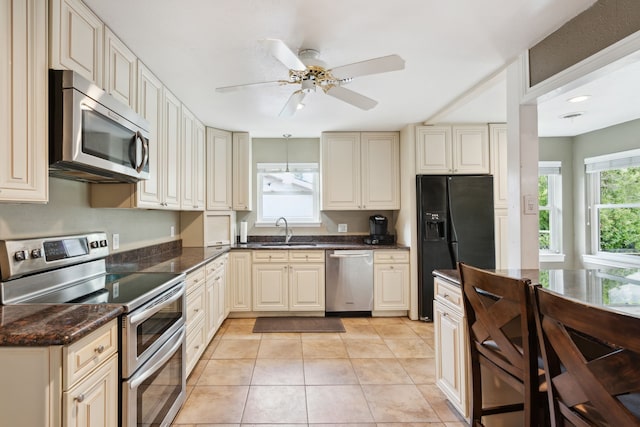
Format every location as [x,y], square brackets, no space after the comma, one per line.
[262,168]
[553,171]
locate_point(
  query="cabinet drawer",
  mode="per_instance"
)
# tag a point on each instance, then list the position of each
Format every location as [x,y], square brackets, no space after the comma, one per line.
[398,256]
[196,341]
[195,306]
[87,353]
[306,256]
[215,267]
[271,256]
[449,293]
[195,278]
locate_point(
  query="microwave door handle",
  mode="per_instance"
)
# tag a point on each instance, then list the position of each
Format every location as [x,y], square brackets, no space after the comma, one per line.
[139,166]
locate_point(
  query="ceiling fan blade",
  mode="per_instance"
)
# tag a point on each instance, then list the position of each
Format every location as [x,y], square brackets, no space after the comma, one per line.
[291,106]
[352,98]
[370,66]
[251,85]
[285,55]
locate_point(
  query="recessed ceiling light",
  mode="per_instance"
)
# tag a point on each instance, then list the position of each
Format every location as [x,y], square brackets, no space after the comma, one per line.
[300,106]
[573,115]
[580,98]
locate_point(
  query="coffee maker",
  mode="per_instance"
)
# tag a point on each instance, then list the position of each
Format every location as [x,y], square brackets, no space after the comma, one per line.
[378,231]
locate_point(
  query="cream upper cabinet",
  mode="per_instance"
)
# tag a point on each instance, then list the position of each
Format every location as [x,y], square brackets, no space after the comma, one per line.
[239,281]
[77,38]
[23,117]
[192,143]
[120,70]
[457,149]
[219,149]
[242,171]
[171,150]
[391,280]
[498,146]
[360,170]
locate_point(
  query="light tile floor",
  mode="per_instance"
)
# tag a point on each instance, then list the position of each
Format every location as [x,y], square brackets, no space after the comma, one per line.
[379,372]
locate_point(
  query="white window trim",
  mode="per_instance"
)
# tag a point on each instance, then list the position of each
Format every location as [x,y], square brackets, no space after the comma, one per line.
[555,253]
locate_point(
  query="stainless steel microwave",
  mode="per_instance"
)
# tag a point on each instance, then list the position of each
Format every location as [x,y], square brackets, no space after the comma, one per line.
[92,136]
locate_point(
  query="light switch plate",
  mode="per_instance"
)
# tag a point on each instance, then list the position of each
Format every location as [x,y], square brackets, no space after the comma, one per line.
[342,228]
[530,204]
[115,244]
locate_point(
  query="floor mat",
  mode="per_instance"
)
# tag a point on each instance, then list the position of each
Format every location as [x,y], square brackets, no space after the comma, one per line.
[298,324]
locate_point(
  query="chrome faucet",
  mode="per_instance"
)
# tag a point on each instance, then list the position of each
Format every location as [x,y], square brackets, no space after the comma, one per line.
[287,236]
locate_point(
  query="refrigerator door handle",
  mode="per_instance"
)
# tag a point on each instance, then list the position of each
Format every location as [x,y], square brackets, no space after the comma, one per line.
[453,249]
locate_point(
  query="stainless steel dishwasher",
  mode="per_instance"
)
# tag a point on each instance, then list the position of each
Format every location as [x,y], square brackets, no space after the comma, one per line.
[349,282]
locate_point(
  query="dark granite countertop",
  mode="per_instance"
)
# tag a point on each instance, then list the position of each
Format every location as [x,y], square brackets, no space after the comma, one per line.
[52,324]
[318,245]
[181,260]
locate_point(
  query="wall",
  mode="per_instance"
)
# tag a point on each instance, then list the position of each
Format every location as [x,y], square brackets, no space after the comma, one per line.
[561,149]
[301,150]
[68,211]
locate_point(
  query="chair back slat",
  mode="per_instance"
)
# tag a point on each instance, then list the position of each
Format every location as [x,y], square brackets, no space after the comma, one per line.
[591,365]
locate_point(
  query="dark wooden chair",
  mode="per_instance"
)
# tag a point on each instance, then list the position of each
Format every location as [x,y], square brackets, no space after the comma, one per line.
[502,338]
[592,362]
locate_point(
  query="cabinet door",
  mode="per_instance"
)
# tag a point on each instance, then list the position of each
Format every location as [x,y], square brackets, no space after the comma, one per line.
[239,283]
[306,287]
[196,344]
[242,172]
[218,169]
[391,287]
[270,287]
[198,166]
[498,149]
[340,163]
[76,39]
[171,155]
[211,313]
[188,149]
[501,219]
[470,149]
[151,106]
[451,364]
[220,299]
[380,162]
[120,69]
[433,150]
[23,116]
[94,401]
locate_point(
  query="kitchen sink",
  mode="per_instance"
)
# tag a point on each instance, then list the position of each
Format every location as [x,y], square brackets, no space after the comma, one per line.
[286,244]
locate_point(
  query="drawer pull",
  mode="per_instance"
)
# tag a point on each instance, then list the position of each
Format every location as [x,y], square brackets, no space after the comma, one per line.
[79,398]
[99,349]
[195,310]
[445,314]
[446,296]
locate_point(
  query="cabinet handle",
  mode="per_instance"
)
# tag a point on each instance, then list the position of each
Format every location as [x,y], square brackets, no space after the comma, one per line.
[445,314]
[391,267]
[99,349]
[79,398]
[195,310]
[446,296]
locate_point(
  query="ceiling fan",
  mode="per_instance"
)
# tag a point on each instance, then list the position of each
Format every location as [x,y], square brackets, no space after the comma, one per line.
[309,72]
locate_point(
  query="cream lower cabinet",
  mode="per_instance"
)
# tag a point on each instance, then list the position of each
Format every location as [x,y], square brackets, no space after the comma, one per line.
[390,280]
[195,317]
[75,385]
[239,281]
[451,345]
[288,280]
[24,101]
[215,296]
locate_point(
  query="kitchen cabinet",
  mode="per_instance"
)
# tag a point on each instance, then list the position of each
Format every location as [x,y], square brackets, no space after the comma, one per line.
[195,317]
[74,385]
[390,280]
[242,171]
[171,150]
[77,39]
[215,285]
[288,280]
[501,219]
[452,353]
[360,170]
[192,150]
[498,145]
[24,133]
[209,228]
[219,169]
[239,281]
[120,66]
[457,149]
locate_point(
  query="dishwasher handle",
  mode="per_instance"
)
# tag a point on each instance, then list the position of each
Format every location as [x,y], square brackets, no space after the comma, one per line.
[349,255]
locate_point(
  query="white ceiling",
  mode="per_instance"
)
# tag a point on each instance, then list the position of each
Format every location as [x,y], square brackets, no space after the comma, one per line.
[194,46]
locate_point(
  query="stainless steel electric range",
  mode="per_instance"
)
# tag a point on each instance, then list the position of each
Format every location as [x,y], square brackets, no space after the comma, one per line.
[72,270]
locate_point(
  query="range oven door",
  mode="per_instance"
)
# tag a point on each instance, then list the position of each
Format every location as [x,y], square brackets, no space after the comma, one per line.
[155,393]
[148,327]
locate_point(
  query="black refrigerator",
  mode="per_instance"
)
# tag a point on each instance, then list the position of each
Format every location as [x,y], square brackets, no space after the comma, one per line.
[455,223]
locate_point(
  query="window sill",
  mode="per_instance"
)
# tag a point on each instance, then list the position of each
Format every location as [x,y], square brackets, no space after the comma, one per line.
[291,224]
[551,257]
[609,261]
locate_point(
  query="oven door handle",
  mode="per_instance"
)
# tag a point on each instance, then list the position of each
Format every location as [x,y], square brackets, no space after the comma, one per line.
[155,306]
[155,364]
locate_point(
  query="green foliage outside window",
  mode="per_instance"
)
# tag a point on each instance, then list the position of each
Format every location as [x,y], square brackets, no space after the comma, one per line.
[543,201]
[620,226]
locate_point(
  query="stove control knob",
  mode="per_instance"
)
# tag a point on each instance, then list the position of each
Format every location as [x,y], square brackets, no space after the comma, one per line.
[103,243]
[20,255]
[36,253]
[93,244]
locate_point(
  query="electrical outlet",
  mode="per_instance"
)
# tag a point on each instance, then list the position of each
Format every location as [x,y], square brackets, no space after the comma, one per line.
[342,228]
[172,231]
[115,241]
